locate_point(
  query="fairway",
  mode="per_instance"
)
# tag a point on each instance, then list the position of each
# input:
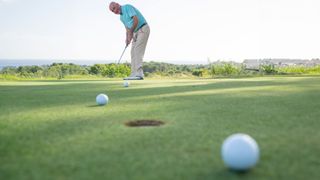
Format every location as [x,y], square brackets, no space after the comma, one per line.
[55,130]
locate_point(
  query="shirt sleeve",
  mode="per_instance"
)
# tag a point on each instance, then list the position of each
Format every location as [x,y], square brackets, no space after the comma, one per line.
[131,12]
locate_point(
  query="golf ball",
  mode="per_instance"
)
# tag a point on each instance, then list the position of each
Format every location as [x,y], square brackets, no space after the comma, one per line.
[102,99]
[240,152]
[126,84]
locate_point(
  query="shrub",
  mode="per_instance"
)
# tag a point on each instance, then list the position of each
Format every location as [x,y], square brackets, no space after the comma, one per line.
[225,69]
[268,69]
[300,70]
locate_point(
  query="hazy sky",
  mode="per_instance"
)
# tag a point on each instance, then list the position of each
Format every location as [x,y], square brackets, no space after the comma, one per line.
[181,30]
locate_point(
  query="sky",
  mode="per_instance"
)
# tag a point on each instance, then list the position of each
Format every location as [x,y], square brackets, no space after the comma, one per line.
[182,31]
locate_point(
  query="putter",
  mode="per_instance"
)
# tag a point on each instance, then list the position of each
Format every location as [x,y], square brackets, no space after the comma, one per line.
[122,53]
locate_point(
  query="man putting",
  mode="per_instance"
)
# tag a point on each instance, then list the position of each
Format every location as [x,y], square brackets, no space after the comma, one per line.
[137,31]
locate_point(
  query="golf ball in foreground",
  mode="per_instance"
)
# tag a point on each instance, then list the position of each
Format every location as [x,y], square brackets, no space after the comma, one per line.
[126,84]
[240,152]
[102,99]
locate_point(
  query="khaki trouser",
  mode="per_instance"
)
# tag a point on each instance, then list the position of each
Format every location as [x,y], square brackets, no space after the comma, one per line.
[139,44]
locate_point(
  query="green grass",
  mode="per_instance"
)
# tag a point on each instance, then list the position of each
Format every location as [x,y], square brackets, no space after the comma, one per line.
[54,130]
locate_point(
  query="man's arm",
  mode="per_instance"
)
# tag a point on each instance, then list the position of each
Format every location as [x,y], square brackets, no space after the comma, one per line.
[129,34]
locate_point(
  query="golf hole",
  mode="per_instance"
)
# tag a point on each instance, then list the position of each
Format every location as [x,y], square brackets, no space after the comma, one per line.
[144,123]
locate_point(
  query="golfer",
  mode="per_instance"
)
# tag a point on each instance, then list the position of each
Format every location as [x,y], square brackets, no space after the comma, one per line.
[137,32]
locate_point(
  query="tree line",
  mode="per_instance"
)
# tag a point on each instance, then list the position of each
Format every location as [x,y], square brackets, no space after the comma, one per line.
[151,69]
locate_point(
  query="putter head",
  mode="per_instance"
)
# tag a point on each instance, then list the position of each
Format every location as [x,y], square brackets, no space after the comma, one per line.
[133,78]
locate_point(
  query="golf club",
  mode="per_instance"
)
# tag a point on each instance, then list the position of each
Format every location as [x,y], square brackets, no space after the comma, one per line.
[122,53]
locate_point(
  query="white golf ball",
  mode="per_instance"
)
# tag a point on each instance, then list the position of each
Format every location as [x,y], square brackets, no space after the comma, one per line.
[126,84]
[240,152]
[102,99]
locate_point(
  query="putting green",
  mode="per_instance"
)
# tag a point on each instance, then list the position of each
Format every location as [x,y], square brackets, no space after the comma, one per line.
[54,130]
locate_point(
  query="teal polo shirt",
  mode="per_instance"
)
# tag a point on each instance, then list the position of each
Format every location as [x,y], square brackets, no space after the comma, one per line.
[127,12]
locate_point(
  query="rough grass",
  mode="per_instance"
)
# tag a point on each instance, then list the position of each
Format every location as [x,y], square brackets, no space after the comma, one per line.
[54,130]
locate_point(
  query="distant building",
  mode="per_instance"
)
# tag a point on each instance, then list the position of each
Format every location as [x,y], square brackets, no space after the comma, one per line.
[256,63]
[252,63]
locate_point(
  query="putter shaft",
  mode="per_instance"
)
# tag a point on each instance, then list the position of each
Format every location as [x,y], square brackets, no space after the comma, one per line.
[122,54]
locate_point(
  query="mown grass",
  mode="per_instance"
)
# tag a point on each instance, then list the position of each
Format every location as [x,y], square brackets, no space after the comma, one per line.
[54,130]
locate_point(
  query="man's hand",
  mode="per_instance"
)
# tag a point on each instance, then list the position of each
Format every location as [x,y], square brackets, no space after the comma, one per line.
[129,38]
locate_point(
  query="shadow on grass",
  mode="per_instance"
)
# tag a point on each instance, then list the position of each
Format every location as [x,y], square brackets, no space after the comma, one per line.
[225,173]
[95,106]
[30,97]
